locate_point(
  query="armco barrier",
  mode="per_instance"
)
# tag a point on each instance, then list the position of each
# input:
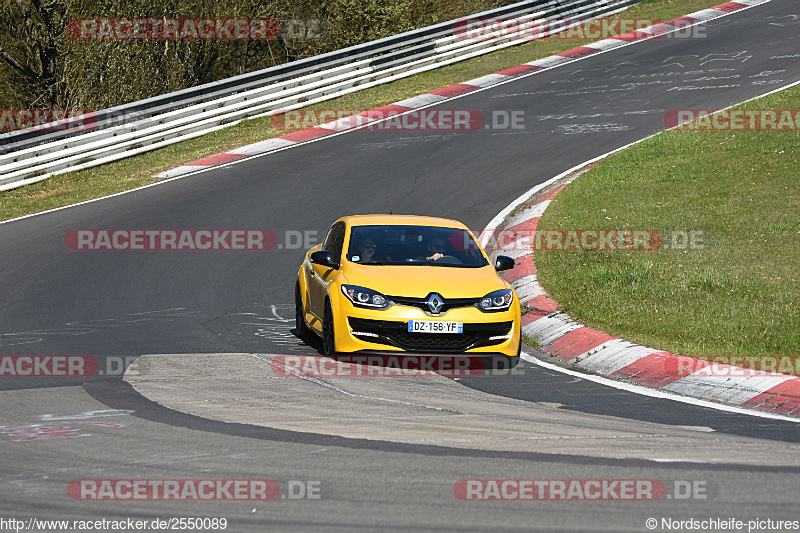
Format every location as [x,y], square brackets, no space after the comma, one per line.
[130,129]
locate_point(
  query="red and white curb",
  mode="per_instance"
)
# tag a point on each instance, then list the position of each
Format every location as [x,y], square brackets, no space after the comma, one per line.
[458,89]
[571,342]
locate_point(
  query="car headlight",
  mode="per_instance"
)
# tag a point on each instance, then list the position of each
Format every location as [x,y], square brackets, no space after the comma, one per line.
[496,301]
[364,297]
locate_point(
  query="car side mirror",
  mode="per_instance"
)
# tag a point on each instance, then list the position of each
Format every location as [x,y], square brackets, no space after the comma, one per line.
[503,262]
[324,258]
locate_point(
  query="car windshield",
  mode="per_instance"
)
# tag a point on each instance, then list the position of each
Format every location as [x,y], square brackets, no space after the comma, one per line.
[414,245]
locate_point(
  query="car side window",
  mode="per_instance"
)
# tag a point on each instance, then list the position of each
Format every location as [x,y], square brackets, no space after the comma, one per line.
[334,242]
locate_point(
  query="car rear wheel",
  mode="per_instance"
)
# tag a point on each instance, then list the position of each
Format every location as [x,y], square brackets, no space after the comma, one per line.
[299,320]
[328,338]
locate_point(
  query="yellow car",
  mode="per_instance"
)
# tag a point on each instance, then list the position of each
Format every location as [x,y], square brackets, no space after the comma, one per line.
[390,284]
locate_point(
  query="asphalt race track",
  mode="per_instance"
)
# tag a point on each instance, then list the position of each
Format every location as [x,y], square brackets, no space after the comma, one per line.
[379,454]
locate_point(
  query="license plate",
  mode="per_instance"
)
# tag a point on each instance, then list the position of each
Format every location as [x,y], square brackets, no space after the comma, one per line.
[435,326]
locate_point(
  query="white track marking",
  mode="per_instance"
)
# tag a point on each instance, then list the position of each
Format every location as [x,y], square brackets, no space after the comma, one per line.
[654,393]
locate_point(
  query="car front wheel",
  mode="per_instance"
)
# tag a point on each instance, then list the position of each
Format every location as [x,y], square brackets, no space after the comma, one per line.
[328,337]
[299,320]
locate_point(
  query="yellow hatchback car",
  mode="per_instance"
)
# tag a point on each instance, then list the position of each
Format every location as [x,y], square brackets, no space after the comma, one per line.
[390,284]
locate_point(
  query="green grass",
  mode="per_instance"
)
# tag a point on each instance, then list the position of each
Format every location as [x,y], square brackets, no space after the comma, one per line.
[73,187]
[739,296]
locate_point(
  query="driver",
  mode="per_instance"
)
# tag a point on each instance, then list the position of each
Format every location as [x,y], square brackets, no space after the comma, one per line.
[436,249]
[366,250]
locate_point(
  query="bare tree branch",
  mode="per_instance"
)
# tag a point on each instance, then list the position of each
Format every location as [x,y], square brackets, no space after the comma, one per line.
[11,60]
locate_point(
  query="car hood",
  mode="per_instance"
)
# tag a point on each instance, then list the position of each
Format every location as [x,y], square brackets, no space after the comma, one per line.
[419,281]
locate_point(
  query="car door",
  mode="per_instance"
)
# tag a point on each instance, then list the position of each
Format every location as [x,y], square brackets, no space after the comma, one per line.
[321,276]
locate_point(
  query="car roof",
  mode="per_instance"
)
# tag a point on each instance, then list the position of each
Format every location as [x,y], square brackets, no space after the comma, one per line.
[401,220]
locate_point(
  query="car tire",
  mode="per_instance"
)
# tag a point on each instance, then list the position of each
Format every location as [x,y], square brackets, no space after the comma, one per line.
[514,360]
[328,333]
[299,320]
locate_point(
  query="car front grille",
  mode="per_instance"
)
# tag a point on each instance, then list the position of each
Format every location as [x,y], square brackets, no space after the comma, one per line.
[396,334]
[422,303]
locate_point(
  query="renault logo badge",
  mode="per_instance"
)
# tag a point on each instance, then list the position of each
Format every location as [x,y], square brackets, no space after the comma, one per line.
[435,303]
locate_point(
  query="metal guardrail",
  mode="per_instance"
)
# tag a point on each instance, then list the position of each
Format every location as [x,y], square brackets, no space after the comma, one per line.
[29,156]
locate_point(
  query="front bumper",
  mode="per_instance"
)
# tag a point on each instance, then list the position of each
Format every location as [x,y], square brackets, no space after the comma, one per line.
[360,329]
[395,333]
